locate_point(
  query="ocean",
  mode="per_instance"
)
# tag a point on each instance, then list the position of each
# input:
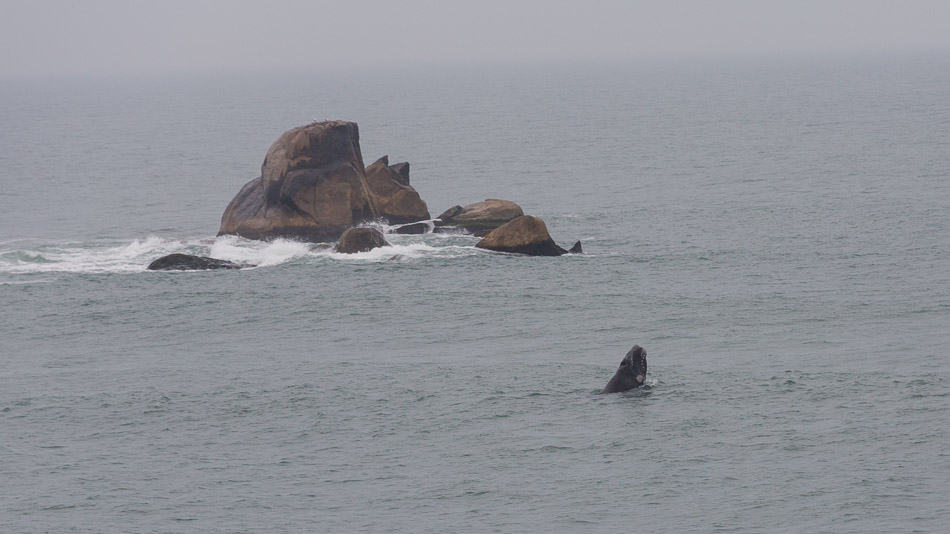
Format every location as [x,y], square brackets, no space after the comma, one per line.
[774,231]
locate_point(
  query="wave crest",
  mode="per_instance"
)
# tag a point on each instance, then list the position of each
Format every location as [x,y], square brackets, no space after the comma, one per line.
[23,257]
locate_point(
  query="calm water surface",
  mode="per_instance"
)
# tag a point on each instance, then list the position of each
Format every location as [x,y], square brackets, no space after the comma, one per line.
[775,233]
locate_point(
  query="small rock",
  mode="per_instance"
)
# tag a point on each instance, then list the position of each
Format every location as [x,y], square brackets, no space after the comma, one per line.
[449,213]
[360,239]
[421,227]
[524,235]
[481,218]
[188,262]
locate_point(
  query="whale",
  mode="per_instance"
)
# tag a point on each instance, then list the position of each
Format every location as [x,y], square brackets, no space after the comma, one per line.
[631,373]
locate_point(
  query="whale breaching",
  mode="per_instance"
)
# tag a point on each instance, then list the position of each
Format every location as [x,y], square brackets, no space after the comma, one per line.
[631,373]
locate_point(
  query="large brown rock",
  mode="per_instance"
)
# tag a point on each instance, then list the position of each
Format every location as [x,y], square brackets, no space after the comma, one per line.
[360,239]
[395,200]
[313,186]
[481,218]
[524,235]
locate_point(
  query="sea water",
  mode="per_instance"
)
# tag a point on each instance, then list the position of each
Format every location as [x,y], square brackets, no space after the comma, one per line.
[773,231]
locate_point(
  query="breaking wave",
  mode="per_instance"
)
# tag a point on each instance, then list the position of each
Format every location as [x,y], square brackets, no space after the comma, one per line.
[22,257]
[257,253]
[95,257]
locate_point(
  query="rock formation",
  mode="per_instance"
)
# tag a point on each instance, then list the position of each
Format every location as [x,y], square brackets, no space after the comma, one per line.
[360,239]
[480,218]
[313,186]
[188,262]
[524,235]
[395,200]
[401,170]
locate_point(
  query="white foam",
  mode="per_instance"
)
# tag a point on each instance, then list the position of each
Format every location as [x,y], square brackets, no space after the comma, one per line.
[22,282]
[257,253]
[134,256]
[401,252]
[388,229]
[86,258]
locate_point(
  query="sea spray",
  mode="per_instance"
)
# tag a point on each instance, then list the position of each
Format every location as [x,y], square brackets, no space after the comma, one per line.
[25,257]
[89,257]
[257,253]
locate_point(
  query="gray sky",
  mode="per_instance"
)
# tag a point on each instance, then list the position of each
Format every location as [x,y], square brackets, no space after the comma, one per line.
[43,38]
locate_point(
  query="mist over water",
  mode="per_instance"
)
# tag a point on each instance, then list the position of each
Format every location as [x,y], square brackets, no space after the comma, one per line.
[774,233]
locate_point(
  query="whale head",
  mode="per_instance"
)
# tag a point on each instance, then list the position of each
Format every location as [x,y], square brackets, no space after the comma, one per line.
[635,364]
[631,373]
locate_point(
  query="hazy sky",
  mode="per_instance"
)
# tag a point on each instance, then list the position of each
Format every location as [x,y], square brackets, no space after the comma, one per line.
[41,38]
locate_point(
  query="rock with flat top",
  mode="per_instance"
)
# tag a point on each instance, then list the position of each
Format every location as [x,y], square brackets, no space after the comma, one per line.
[423,227]
[480,218]
[188,262]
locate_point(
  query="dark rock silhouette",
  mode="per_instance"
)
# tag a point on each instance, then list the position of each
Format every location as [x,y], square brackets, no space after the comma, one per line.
[631,373]
[188,262]
[423,227]
[576,249]
[360,239]
[524,235]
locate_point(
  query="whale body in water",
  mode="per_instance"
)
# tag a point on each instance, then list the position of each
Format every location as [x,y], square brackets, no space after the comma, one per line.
[631,373]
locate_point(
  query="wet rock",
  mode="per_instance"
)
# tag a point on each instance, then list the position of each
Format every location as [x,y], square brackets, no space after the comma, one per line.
[188,262]
[524,235]
[480,218]
[423,227]
[360,239]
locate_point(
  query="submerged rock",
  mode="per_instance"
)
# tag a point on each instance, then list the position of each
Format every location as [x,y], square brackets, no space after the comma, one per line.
[480,218]
[313,186]
[524,235]
[360,240]
[188,262]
